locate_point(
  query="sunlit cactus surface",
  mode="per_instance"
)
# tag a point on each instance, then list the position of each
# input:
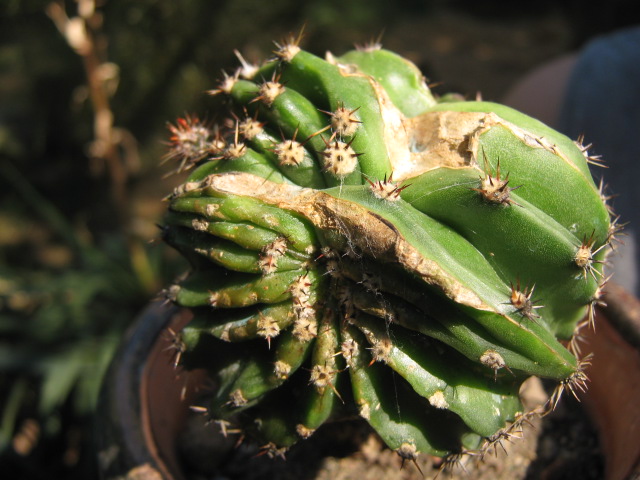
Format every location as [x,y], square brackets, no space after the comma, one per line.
[360,247]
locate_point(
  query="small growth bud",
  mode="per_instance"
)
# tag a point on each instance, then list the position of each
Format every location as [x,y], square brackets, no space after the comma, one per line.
[304,432]
[269,91]
[287,52]
[493,360]
[211,209]
[321,376]
[248,70]
[365,411]
[344,122]
[182,189]
[226,84]
[172,292]
[250,127]
[372,45]
[584,257]
[289,48]
[305,328]
[268,261]
[408,451]
[386,189]
[437,400]
[237,399]
[268,328]
[224,336]
[289,152]
[199,224]
[236,150]
[214,298]
[191,141]
[349,349]
[521,300]
[381,349]
[300,291]
[495,189]
[340,158]
[282,370]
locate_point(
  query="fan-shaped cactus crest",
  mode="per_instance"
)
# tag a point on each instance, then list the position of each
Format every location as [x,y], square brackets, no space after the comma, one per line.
[358,247]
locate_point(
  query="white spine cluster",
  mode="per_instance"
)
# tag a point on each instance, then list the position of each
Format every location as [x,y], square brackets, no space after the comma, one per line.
[270,255]
[305,326]
[340,158]
[289,153]
[268,327]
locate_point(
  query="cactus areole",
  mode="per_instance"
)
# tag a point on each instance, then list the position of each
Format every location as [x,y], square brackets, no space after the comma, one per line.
[359,248]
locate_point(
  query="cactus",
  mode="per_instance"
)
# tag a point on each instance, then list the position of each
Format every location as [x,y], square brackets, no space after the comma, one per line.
[358,247]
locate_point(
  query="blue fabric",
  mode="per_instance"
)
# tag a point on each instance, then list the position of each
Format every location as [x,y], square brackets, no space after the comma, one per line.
[602,101]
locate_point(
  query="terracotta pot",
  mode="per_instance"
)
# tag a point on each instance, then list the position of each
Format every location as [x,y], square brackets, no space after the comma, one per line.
[144,403]
[613,397]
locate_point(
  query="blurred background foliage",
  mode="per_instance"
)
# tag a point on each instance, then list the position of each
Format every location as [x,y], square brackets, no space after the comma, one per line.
[78,251]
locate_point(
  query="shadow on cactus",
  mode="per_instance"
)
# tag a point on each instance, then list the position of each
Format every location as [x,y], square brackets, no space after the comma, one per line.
[358,247]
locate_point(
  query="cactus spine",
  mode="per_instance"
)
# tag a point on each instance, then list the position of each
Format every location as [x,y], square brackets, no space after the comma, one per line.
[357,246]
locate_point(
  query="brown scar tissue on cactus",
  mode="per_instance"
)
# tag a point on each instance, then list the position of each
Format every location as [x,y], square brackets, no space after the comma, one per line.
[358,247]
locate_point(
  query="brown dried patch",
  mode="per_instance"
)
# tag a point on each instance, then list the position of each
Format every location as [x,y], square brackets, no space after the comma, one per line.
[363,230]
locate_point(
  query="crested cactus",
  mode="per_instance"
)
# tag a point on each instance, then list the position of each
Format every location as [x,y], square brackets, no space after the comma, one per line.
[358,247]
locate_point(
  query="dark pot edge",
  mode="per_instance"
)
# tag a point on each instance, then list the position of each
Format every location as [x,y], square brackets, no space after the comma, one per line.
[124,445]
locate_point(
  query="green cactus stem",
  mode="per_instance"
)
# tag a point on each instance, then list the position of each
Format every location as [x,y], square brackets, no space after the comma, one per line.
[358,247]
